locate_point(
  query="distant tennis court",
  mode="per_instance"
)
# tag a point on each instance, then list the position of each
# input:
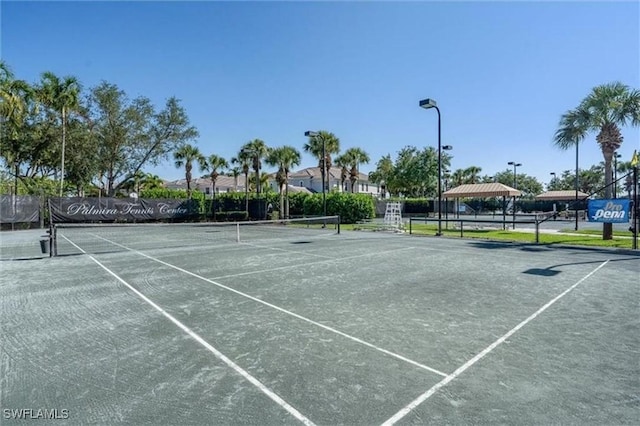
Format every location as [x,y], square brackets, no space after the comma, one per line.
[190,324]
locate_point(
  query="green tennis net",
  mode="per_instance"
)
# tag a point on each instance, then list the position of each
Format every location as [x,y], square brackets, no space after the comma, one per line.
[78,238]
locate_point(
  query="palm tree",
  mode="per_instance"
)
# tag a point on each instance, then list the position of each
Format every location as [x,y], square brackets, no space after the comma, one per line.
[257,150]
[263,183]
[61,95]
[132,184]
[15,97]
[472,174]
[284,157]
[343,162]
[625,168]
[151,181]
[186,156]
[315,147]
[384,175]
[607,108]
[215,163]
[458,177]
[140,181]
[355,157]
[244,160]
[234,172]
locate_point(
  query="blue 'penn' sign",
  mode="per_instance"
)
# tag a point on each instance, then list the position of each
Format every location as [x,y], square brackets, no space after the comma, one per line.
[609,211]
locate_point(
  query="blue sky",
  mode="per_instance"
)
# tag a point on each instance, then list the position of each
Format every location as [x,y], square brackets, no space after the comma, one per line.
[501,72]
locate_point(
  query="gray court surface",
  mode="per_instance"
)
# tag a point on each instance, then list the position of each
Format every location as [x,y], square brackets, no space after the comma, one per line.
[359,328]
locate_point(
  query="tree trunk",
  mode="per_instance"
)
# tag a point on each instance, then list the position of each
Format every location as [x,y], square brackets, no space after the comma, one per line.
[64,135]
[213,200]
[286,188]
[188,179]
[281,207]
[16,170]
[246,192]
[607,228]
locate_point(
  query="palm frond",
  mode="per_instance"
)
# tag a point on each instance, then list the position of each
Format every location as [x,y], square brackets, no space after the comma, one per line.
[572,129]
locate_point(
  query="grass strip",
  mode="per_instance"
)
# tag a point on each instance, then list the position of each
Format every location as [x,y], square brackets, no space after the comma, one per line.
[583,239]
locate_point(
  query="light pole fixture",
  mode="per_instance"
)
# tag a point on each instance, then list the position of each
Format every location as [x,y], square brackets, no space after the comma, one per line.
[446,175]
[553,178]
[515,186]
[428,104]
[312,134]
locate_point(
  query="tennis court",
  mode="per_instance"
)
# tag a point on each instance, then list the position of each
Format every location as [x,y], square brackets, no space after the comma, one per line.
[317,327]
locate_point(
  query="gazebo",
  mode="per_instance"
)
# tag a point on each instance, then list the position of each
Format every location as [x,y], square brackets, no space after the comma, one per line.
[567,195]
[561,195]
[484,190]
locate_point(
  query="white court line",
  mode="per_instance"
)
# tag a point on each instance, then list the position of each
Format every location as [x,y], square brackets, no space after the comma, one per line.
[287,251]
[281,402]
[306,264]
[419,400]
[293,314]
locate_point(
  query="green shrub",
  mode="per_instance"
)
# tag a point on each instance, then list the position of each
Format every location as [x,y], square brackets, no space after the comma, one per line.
[420,206]
[350,207]
[296,203]
[232,216]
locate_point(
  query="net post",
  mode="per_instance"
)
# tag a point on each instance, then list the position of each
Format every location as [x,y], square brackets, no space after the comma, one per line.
[537,231]
[53,244]
[237,232]
[54,241]
[410,223]
[338,224]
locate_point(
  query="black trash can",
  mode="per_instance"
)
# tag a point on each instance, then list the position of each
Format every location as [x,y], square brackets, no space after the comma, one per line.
[44,244]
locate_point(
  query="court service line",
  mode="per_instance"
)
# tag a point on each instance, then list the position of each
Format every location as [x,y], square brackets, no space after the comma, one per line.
[285,311]
[277,399]
[419,400]
[306,264]
[287,251]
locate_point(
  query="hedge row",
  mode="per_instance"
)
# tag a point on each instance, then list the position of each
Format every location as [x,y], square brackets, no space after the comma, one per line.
[350,207]
[232,206]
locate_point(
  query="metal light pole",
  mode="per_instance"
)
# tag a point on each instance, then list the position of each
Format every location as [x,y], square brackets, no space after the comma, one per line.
[615,174]
[313,134]
[446,203]
[428,104]
[515,186]
[576,201]
[553,178]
